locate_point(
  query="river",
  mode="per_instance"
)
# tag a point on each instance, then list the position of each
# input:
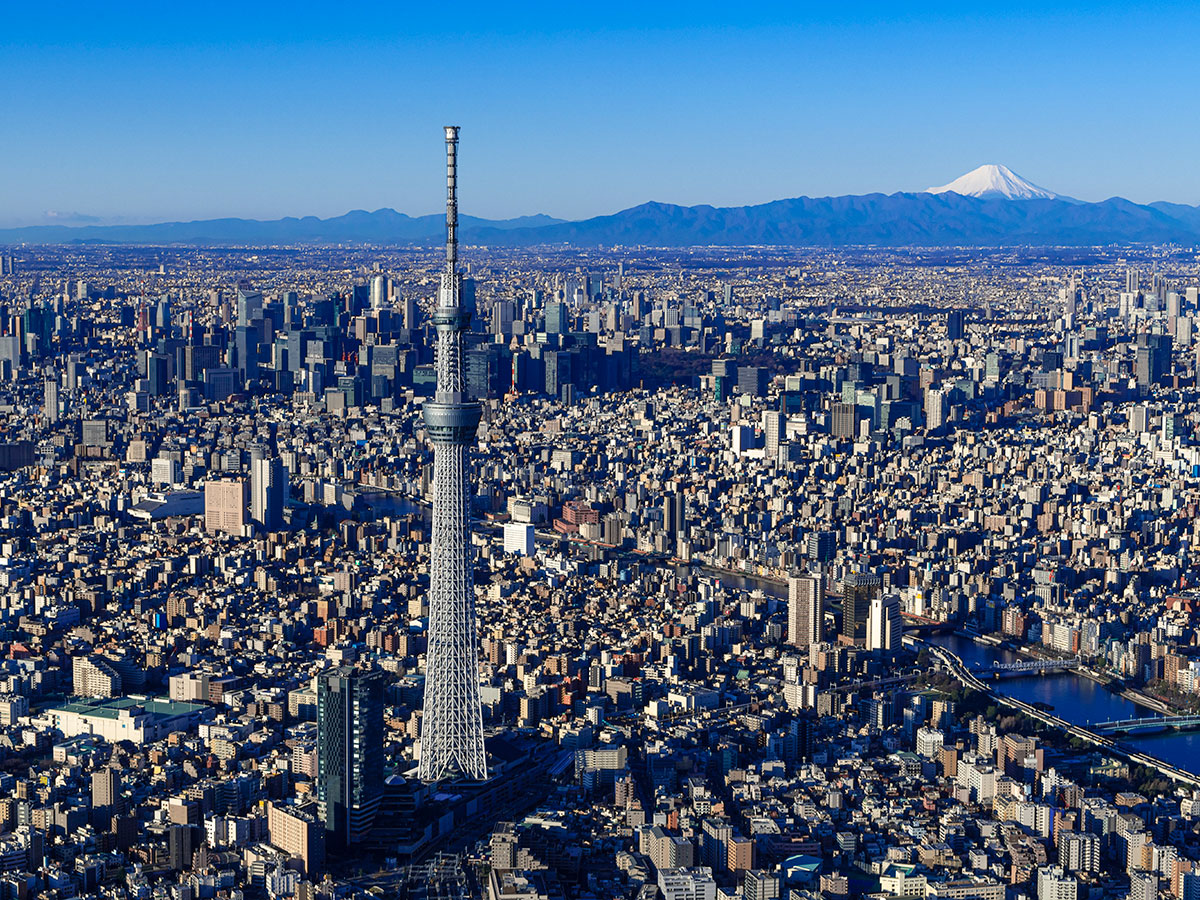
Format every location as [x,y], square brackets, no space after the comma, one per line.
[1080,701]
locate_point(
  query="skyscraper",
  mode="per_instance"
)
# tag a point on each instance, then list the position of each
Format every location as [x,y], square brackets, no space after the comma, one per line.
[674,517]
[753,380]
[556,318]
[51,398]
[844,418]
[349,752]
[935,410]
[954,324]
[1133,281]
[379,290]
[806,610]
[774,429]
[884,625]
[857,591]
[225,506]
[820,546]
[249,304]
[1153,362]
[268,492]
[452,717]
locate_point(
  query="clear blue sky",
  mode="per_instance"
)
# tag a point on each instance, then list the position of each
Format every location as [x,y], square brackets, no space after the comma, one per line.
[151,112]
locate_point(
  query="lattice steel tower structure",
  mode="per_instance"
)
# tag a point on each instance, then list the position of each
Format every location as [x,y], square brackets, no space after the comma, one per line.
[452,721]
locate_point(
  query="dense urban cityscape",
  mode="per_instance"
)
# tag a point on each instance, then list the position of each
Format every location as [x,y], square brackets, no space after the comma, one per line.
[796,573]
[755,457]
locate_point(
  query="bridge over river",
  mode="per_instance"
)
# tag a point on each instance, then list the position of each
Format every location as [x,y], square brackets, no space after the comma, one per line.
[1027,667]
[1148,723]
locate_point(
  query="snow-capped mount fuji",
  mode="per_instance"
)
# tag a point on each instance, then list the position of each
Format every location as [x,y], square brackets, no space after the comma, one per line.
[993,181]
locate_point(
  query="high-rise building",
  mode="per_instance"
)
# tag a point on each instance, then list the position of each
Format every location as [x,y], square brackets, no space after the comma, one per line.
[179,846]
[51,398]
[225,506]
[250,305]
[268,492]
[95,677]
[674,517]
[753,380]
[245,351]
[1174,304]
[1153,359]
[820,546]
[1143,886]
[954,324]
[695,883]
[95,432]
[408,309]
[715,836]
[349,752]
[935,410]
[452,715]
[773,423]
[1078,851]
[556,318]
[503,313]
[379,291]
[857,591]
[666,851]
[297,831]
[726,368]
[806,610]
[519,538]
[760,885]
[1054,884]
[884,625]
[164,470]
[844,420]
[106,788]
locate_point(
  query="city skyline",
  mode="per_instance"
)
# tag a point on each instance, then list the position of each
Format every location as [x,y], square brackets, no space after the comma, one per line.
[261,115]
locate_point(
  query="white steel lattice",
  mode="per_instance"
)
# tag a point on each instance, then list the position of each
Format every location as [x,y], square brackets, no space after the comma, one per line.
[452,717]
[452,725]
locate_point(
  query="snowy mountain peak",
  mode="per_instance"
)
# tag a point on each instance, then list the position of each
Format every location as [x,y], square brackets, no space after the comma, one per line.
[995,181]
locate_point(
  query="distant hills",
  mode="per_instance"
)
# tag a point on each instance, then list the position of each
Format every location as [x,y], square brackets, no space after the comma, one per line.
[988,207]
[885,220]
[383,226]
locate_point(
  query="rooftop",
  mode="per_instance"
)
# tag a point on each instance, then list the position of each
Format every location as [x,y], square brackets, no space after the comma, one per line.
[112,707]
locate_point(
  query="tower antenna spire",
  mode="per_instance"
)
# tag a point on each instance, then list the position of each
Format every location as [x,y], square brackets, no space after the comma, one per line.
[451,199]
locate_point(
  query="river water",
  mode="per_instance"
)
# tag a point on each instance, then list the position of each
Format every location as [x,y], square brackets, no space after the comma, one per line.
[1079,700]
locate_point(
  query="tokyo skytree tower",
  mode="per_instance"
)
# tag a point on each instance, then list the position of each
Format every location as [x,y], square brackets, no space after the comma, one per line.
[452,721]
